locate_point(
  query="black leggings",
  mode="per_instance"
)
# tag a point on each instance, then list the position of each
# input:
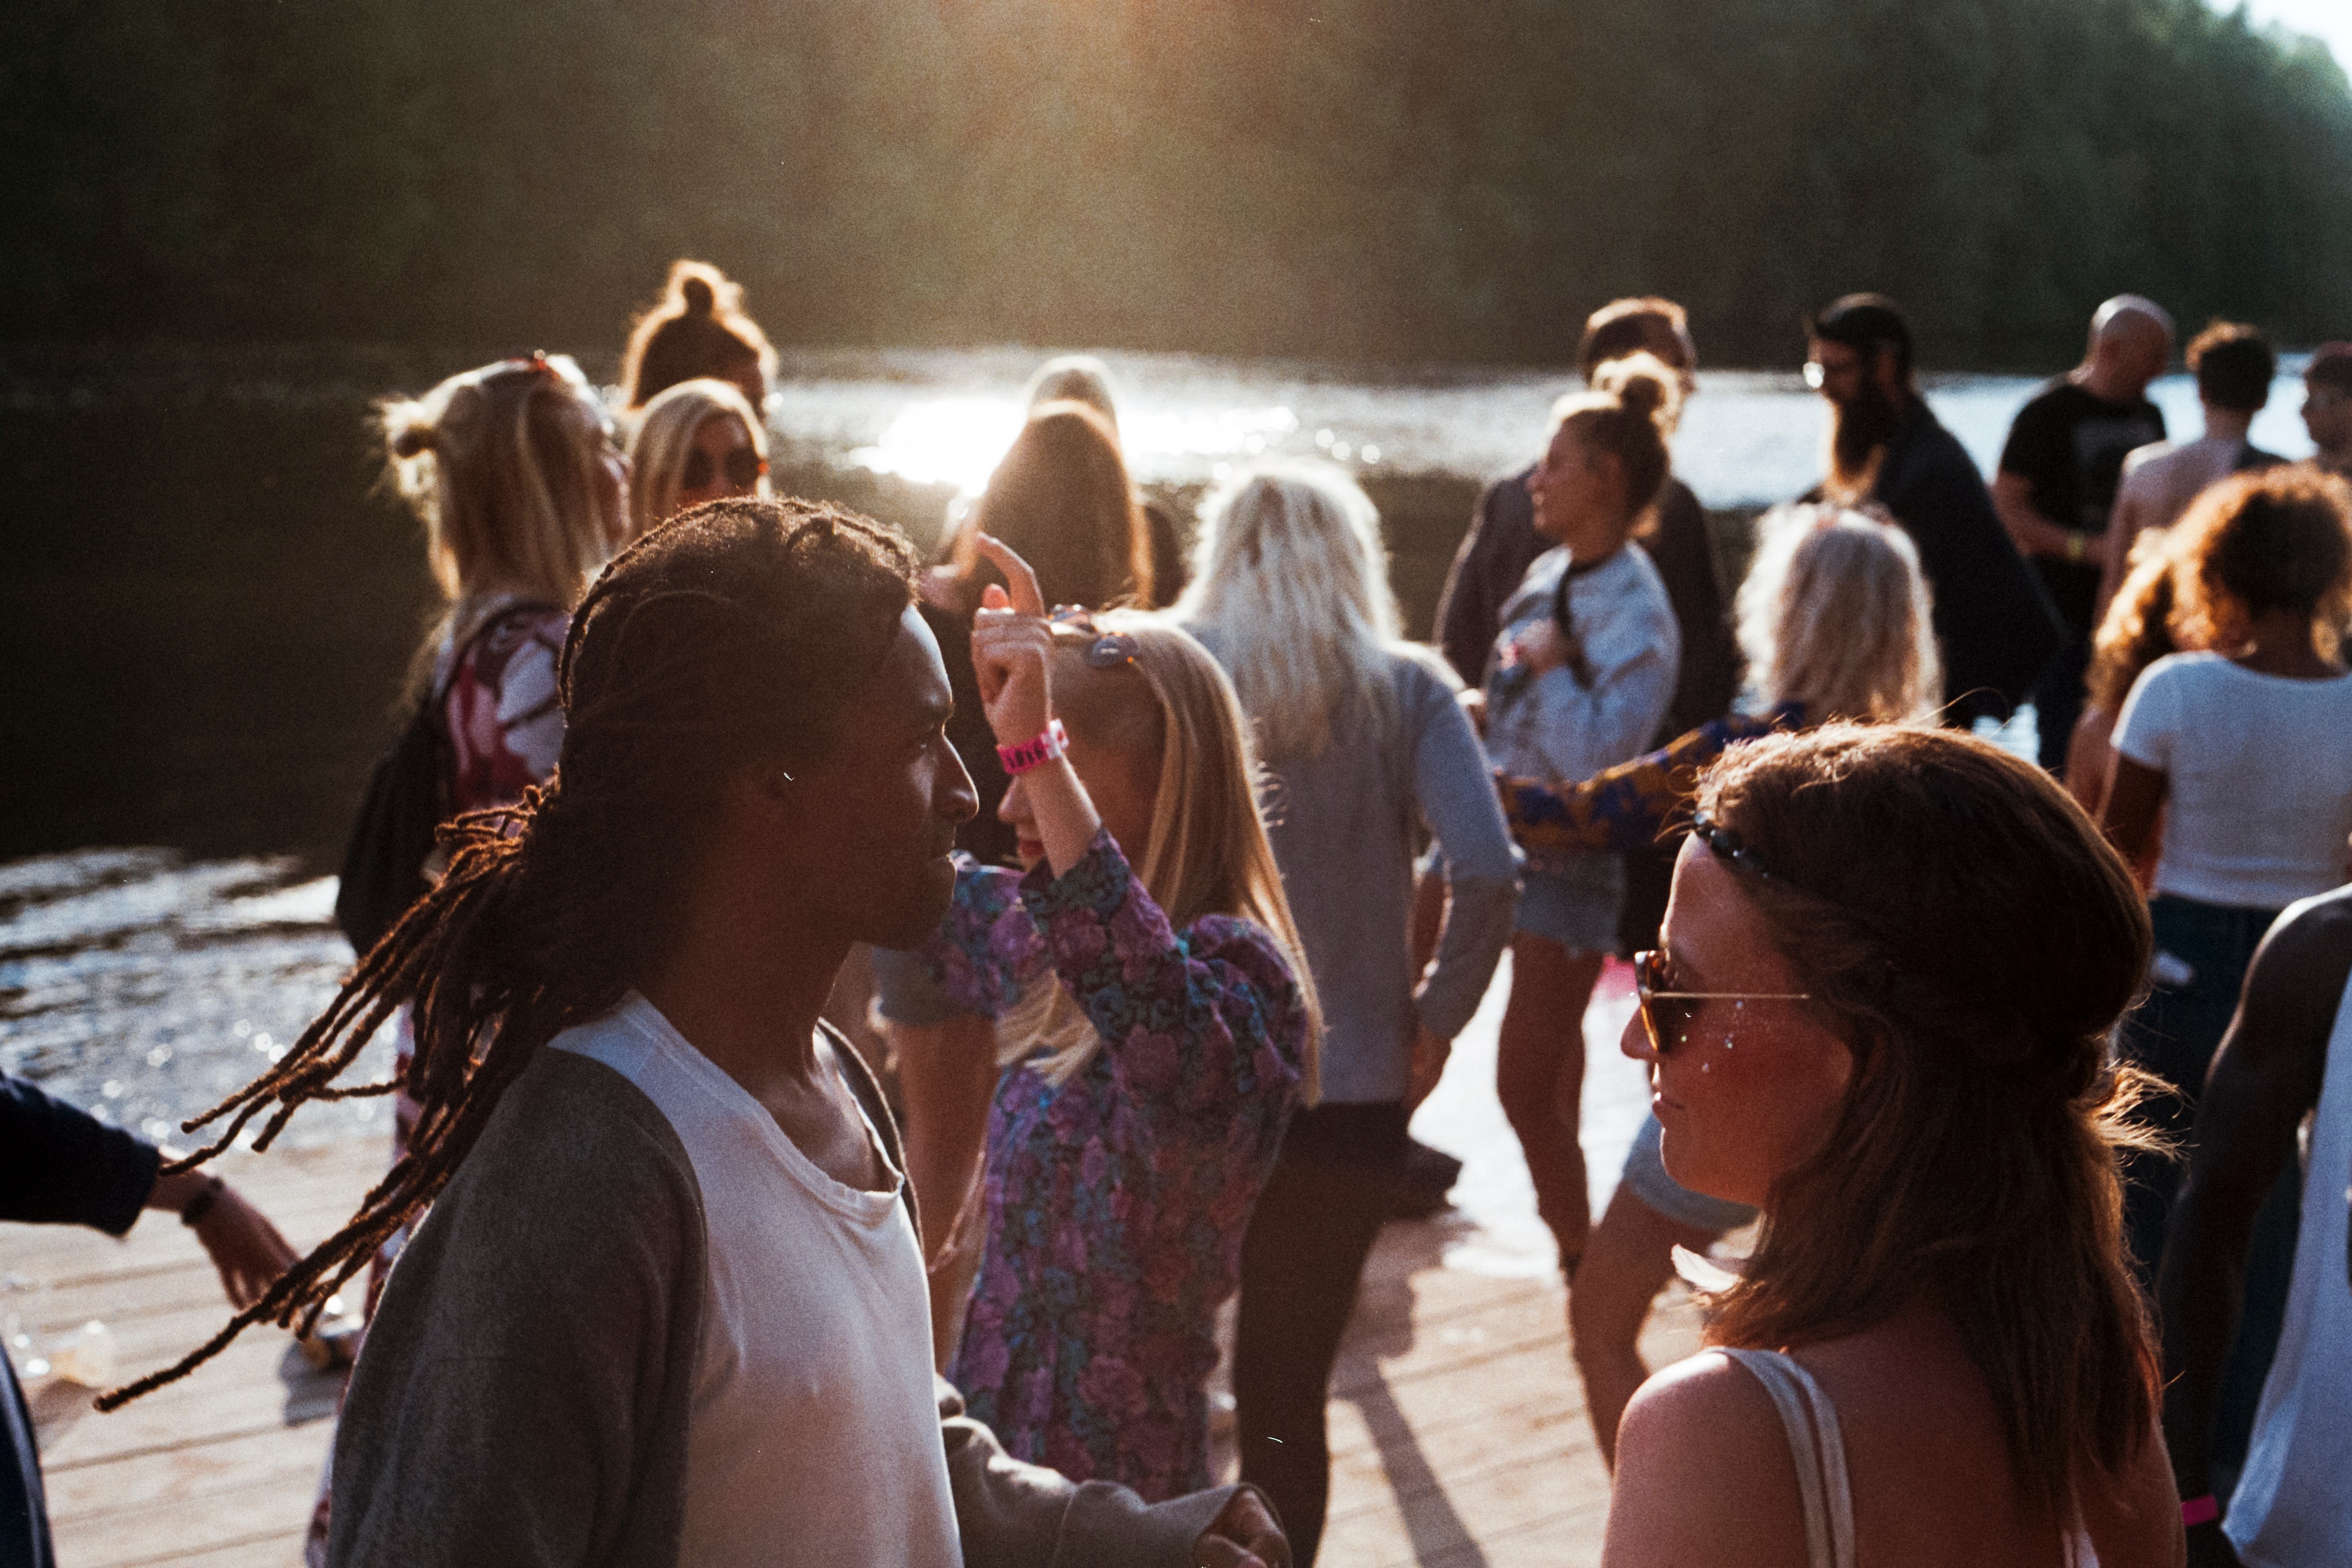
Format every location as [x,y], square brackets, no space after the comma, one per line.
[1333,1184]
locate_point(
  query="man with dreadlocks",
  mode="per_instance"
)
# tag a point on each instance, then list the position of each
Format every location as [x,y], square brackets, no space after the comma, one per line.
[668,1305]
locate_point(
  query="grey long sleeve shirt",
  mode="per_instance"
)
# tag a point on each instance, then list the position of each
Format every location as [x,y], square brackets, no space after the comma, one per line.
[1343,827]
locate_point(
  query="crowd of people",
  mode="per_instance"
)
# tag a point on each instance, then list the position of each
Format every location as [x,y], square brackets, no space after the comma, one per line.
[1146,888]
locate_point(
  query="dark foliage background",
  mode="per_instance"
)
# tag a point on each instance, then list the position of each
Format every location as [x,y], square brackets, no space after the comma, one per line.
[1341,179]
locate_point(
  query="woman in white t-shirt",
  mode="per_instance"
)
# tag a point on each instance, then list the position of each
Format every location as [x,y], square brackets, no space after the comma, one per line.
[2247,750]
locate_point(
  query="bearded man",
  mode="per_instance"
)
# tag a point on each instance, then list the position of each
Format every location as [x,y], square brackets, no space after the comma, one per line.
[1993,619]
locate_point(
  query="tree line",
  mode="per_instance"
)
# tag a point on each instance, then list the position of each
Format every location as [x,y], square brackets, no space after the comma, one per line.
[1355,180]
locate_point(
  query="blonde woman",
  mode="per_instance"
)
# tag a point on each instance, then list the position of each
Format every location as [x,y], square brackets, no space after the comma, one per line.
[1836,622]
[514,472]
[1366,745]
[1156,1027]
[697,442]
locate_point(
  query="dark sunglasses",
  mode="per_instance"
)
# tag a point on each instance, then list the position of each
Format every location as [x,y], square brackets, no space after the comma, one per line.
[1109,650]
[1666,1014]
[743,468]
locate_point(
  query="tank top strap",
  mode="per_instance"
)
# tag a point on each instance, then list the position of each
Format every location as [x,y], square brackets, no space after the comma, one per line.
[1818,1448]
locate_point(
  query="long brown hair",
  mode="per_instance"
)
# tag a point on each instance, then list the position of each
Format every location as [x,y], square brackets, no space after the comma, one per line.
[2136,629]
[734,632]
[1062,498]
[1974,938]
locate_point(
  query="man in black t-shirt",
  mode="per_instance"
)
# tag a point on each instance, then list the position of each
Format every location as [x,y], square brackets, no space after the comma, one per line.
[2056,486]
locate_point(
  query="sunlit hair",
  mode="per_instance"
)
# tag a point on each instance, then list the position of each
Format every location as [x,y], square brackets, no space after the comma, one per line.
[1836,615]
[1173,712]
[501,464]
[697,328]
[1062,498]
[1973,938]
[2137,628]
[733,636]
[665,434]
[1074,378]
[1291,572]
[2277,539]
[1633,404]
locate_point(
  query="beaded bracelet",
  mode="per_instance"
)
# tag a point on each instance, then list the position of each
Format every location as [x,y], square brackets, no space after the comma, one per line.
[1030,753]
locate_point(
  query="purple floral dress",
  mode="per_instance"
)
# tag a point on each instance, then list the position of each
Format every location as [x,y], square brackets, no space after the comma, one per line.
[1116,1203]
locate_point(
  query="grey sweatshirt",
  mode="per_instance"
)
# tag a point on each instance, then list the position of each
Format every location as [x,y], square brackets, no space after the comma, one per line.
[1343,827]
[522,1400]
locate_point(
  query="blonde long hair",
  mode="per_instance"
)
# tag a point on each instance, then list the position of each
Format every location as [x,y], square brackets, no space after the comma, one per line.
[1291,573]
[1836,615]
[1207,853]
[665,434]
[501,466]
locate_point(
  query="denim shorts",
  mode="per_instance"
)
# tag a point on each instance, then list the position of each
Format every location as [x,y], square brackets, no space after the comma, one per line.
[1573,900]
[1645,1175]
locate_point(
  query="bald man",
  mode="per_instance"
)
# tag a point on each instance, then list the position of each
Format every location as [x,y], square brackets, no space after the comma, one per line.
[2056,486]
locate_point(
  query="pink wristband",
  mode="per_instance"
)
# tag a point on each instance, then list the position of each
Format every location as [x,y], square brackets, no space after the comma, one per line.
[1030,753]
[2197,1510]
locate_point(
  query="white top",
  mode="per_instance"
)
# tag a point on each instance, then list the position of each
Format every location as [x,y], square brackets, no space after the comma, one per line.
[814,1435]
[1557,728]
[2161,479]
[2260,778]
[2293,1507]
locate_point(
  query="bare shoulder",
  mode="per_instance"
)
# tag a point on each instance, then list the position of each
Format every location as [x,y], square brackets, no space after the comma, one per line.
[1704,1472]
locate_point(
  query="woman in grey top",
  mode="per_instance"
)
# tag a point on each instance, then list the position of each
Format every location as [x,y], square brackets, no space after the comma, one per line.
[1366,743]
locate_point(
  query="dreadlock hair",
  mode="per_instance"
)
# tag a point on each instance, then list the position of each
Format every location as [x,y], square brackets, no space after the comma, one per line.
[733,633]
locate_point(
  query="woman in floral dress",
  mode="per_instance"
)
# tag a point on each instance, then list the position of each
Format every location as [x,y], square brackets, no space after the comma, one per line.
[1156,1029]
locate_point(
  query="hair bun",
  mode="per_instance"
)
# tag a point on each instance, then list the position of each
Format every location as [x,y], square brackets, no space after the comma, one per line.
[1642,391]
[694,291]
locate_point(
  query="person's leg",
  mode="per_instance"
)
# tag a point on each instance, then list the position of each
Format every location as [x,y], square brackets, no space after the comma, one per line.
[1539,1077]
[1313,1227]
[2058,700]
[1629,1262]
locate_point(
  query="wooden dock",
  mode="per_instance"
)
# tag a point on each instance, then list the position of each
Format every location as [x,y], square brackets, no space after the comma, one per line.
[1458,1429]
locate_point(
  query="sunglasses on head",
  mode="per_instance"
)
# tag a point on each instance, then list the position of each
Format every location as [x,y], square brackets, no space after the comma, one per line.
[742,467]
[1666,1014]
[1109,650]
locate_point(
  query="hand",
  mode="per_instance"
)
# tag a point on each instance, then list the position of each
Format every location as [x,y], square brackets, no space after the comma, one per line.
[1244,1536]
[1544,647]
[1011,650]
[245,1247]
[1429,1058]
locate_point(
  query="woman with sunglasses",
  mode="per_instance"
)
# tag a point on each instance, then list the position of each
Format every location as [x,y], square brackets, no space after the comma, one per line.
[699,441]
[1835,621]
[1880,1013]
[1061,499]
[1367,746]
[1155,1025]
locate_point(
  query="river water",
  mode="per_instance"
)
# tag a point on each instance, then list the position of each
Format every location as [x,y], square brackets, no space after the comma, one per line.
[210,608]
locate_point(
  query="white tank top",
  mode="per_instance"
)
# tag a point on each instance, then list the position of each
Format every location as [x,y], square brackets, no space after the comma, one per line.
[1819,1449]
[2293,1502]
